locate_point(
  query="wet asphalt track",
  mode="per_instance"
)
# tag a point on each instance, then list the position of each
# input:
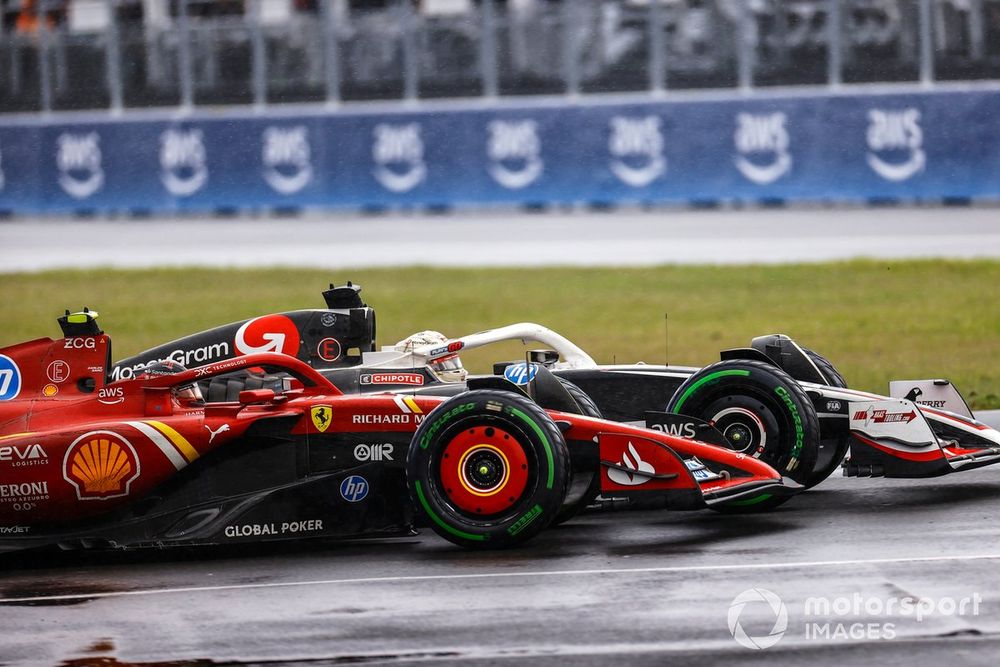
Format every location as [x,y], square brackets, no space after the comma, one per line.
[606,588]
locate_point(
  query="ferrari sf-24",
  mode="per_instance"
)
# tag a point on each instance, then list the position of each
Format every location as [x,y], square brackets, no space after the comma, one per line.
[87,460]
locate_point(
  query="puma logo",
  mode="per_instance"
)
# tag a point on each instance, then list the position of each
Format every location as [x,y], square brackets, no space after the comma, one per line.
[212,434]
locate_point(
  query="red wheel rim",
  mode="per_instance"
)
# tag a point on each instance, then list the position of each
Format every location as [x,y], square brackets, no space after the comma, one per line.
[484,470]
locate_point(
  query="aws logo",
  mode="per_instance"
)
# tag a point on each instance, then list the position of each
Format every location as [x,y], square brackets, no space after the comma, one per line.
[636,147]
[679,430]
[398,151]
[286,155]
[895,144]
[515,153]
[183,161]
[78,158]
[762,144]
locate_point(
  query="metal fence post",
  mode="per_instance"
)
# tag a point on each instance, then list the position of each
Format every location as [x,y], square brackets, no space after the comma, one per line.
[331,51]
[926,43]
[747,39]
[112,57]
[488,50]
[977,32]
[258,65]
[657,48]
[44,66]
[571,61]
[411,69]
[186,67]
[835,45]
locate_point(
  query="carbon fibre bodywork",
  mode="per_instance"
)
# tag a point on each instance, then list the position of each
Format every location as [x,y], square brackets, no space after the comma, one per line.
[624,393]
[86,460]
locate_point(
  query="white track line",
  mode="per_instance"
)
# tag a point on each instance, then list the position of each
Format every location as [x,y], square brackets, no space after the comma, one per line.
[506,575]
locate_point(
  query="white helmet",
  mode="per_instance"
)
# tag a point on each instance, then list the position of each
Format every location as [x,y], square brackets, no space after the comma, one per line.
[448,368]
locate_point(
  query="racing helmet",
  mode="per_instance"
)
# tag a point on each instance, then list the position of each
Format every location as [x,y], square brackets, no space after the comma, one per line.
[447,368]
[188,393]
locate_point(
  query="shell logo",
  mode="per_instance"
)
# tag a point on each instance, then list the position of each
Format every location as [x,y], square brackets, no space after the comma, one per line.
[101,465]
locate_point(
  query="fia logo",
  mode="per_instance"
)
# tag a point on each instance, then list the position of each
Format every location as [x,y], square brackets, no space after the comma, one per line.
[286,155]
[762,142]
[893,135]
[632,463]
[78,159]
[398,152]
[636,146]
[183,161]
[515,153]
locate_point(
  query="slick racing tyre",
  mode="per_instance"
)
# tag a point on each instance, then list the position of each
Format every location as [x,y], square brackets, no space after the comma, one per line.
[827,369]
[584,485]
[831,450]
[763,413]
[489,469]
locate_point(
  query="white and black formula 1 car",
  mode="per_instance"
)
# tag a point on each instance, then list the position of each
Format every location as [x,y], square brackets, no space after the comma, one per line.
[775,401]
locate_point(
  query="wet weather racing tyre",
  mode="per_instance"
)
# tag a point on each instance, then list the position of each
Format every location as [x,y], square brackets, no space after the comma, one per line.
[832,449]
[489,469]
[763,413]
[584,485]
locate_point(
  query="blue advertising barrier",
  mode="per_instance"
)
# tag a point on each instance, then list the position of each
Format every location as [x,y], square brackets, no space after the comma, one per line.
[850,147]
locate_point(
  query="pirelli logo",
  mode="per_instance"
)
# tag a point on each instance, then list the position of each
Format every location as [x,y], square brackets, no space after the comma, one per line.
[174,446]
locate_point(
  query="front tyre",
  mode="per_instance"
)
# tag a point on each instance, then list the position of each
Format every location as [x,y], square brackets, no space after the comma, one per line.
[489,468]
[832,449]
[763,413]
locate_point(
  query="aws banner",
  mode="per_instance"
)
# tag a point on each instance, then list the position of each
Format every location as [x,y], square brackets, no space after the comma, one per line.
[811,148]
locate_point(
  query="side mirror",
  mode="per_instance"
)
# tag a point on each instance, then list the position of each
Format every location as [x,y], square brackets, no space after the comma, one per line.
[251,396]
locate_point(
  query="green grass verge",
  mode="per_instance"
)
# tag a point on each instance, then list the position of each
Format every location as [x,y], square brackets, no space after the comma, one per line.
[875,320]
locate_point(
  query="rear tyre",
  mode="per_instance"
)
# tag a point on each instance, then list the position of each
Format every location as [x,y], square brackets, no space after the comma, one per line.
[832,450]
[827,369]
[584,485]
[763,413]
[488,468]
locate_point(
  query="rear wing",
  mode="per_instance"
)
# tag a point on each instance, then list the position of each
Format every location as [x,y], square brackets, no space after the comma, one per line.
[68,367]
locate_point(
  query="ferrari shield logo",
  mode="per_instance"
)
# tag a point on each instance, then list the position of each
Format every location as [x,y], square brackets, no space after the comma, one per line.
[321,415]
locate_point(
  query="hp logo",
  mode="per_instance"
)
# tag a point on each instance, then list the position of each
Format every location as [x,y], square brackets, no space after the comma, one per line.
[354,489]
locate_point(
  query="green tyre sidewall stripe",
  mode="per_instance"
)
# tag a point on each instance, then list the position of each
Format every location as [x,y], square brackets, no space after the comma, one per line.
[711,377]
[550,480]
[441,522]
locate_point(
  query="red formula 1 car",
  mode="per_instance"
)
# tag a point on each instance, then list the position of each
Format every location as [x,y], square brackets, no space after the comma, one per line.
[143,461]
